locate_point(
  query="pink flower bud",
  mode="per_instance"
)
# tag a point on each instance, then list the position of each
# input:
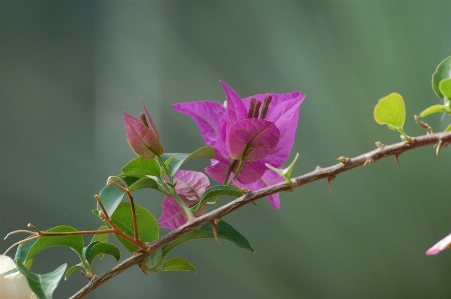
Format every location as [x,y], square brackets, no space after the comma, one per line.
[142,135]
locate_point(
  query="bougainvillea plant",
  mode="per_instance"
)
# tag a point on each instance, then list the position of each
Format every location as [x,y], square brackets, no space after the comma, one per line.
[248,141]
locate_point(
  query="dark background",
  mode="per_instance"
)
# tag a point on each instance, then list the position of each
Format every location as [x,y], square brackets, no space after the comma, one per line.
[70,68]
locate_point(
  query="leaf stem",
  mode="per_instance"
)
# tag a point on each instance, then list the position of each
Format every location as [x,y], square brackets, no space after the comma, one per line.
[237,172]
[189,213]
[165,167]
[126,189]
[229,171]
[407,137]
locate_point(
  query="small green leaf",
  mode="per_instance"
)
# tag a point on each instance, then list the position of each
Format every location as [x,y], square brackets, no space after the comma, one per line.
[390,111]
[111,196]
[216,191]
[42,285]
[433,109]
[144,183]
[140,167]
[72,269]
[102,248]
[448,129]
[284,172]
[445,87]
[443,71]
[148,228]
[177,264]
[224,230]
[75,242]
[101,237]
[206,152]
[156,181]
[22,252]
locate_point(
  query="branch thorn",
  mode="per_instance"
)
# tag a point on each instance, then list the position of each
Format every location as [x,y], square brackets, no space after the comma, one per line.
[369,161]
[329,180]
[379,144]
[343,160]
[143,267]
[441,144]
[215,232]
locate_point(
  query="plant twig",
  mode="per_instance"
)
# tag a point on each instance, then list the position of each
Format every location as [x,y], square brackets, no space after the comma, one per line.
[251,196]
[126,190]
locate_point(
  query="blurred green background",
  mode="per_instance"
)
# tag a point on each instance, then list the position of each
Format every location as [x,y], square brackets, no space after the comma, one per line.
[70,68]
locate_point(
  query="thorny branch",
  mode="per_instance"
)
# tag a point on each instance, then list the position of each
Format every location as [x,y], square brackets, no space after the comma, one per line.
[345,164]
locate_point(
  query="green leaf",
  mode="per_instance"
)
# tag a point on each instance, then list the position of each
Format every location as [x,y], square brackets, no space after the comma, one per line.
[101,237]
[75,242]
[177,264]
[448,129]
[445,87]
[443,71]
[42,285]
[148,229]
[111,196]
[22,252]
[72,269]
[140,167]
[206,152]
[144,183]
[88,248]
[102,248]
[433,109]
[224,230]
[284,172]
[216,191]
[390,110]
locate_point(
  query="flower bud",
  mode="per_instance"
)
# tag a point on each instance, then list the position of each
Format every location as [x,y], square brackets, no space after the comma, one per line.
[13,285]
[142,135]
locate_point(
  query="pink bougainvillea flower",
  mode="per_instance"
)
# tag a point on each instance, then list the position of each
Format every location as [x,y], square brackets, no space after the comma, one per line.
[142,138]
[259,129]
[190,185]
[440,246]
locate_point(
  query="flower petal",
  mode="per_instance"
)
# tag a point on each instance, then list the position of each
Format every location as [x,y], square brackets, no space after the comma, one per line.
[172,215]
[269,178]
[235,107]
[277,98]
[207,115]
[440,246]
[254,138]
[149,119]
[6,264]
[14,285]
[251,172]
[217,171]
[285,116]
[191,183]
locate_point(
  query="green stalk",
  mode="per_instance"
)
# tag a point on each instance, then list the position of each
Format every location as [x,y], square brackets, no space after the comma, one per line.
[237,172]
[229,171]
[186,209]
[407,137]
[172,192]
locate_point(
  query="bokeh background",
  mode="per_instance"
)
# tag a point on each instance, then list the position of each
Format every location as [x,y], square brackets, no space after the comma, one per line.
[70,68]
